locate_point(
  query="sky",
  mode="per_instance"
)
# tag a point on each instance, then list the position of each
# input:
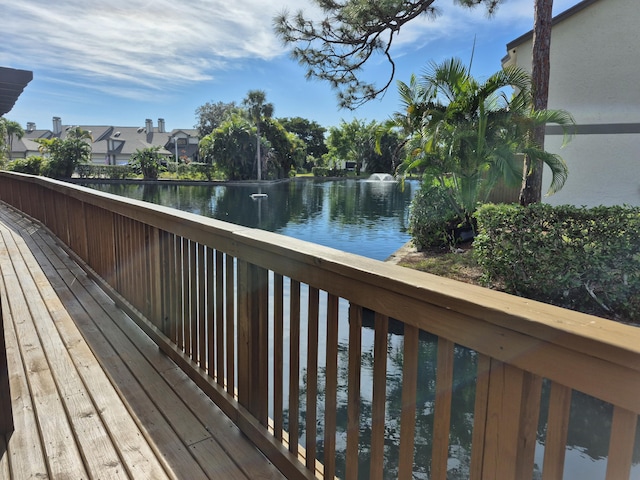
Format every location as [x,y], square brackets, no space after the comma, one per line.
[119,62]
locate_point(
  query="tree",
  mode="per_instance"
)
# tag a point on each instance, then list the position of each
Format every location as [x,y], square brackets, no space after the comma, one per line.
[257,109]
[231,148]
[310,132]
[355,142]
[353,32]
[13,129]
[147,161]
[65,155]
[286,151]
[211,115]
[467,134]
[531,191]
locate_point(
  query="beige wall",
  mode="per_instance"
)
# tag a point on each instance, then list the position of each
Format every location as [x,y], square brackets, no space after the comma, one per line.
[595,75]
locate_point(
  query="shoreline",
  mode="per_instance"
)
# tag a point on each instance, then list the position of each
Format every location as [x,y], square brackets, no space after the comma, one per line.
[404,251]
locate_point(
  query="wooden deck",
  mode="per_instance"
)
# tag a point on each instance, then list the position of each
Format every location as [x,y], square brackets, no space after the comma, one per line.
[92,395]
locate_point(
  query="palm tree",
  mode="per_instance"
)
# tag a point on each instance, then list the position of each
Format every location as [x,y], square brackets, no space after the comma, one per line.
[65,155]
[257,109]
[78,146]
[230,146]
[467,135]
[12,129]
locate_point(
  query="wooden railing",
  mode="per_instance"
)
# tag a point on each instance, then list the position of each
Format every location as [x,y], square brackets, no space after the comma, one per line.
[334,364]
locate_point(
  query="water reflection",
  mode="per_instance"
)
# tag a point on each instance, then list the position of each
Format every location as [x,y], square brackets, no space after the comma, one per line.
[367,218]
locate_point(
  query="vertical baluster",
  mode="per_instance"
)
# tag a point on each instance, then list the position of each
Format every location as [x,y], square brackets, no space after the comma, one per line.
[138,265]
[294,365]
[176,293]
[184,335]
[230,326]
[621,443]
[480,417]
[244,334]
[408,412]
[212,318]
[219,320]
[312,378]
[253,364]
[129,255]
[278,354]
[155,277]
[379,395]
[167,279]
[442,414]
[202,308]
[502,431]
[353,406]
[557,428]
[331,388]
[193,297]
[529,426]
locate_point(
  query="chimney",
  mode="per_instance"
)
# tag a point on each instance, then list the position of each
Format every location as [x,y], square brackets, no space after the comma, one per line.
[57,126]
[148,125]
[31,126]
[161,125]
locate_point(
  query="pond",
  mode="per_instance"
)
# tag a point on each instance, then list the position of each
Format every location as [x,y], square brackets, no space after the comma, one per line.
[363,217]
[370,219]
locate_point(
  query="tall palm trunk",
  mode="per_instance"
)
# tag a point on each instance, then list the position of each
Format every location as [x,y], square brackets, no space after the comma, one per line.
[531,191]
[258,159]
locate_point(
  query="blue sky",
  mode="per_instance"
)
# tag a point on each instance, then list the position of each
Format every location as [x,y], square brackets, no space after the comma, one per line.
[118,62]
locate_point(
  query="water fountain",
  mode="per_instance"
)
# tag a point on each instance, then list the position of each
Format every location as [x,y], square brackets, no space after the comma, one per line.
[381,177]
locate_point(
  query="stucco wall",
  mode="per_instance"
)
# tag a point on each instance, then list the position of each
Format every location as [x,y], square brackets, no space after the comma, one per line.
[595,75]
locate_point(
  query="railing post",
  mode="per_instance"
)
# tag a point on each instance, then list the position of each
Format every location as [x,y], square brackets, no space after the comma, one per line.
[502,445]
[6,413]
[253,364]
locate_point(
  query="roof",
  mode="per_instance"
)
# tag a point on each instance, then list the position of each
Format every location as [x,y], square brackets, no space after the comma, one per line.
[12,83]
[111,139]
[557,19]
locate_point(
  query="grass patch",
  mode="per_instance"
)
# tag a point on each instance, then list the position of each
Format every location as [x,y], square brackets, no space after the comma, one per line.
[458,265]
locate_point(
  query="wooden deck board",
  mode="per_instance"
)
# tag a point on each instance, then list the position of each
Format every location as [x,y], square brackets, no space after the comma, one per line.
[160,423]
[26,457]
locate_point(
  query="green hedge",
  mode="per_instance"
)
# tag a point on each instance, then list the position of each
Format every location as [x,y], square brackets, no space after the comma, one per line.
[31,165]
[114,172]
[583,259]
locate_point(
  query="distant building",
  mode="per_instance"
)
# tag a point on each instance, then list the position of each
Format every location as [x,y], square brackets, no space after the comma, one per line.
[595,66]
[115,145]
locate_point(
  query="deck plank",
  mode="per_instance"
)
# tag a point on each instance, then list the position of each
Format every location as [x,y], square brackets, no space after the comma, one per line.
[189,434]
[26,458]
[61,451]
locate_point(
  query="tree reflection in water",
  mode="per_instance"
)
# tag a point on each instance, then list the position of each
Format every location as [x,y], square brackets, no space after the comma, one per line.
[589,423]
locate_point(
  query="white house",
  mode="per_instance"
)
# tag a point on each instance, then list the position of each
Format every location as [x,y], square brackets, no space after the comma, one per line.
[595,75]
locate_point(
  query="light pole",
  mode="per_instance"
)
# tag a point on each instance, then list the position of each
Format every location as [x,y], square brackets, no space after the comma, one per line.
[175,144]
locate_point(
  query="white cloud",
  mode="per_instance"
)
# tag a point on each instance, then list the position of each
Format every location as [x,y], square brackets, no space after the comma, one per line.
[150,44]
[138,41]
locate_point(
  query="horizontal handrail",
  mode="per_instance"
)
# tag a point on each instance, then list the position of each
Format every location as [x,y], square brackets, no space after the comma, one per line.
[215,296]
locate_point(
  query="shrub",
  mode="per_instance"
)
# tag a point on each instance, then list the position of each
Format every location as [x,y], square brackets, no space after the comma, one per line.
[432,219]
[31,165]
[583,259]
[320,171]
[148,162]
[113,172]
[202,170]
